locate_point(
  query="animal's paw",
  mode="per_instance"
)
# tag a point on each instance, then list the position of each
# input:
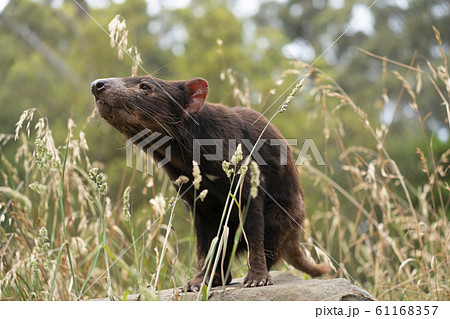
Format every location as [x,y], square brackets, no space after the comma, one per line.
[196,283]
[257,279]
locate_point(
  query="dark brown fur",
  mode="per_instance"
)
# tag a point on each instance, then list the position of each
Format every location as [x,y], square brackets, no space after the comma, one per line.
[174,108]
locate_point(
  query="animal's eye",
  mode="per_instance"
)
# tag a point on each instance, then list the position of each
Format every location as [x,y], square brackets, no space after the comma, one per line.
[144,87]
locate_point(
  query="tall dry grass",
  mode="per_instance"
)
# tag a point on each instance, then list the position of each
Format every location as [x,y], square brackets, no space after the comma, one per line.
[397,240]
[64,236]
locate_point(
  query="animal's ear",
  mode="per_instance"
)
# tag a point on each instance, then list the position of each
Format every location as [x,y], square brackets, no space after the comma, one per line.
[196,91]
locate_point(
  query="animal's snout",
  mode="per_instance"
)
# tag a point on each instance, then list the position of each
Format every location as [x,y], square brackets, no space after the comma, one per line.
[98,85]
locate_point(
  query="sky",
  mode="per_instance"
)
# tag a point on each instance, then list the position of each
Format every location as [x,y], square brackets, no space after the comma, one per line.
[3,4]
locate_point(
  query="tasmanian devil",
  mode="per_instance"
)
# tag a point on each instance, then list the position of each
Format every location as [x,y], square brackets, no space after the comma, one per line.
[177,109]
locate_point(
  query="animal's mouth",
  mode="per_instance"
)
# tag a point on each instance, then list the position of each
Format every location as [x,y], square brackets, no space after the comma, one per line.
[102,103]
[106,110]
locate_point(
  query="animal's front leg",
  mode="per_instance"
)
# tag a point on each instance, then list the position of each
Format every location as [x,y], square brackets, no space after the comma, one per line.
[205,234]
[203,242]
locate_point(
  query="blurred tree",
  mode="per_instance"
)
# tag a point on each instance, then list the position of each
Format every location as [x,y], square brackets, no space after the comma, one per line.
[51,51]
[393,29]
[316,25]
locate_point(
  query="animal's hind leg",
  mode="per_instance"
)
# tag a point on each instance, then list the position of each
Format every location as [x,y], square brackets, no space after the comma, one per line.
[258,274]
[274,227]
[294,255]
[287,223]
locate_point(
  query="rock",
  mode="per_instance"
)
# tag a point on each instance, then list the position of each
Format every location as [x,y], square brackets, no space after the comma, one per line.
[286,287]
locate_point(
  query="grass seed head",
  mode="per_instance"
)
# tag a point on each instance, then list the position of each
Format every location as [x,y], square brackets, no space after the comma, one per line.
[237,156]
[255,181]
[126,203]
[226,168]
[158,204]
[197,175]
[181,180]
[203,195]
[291,96]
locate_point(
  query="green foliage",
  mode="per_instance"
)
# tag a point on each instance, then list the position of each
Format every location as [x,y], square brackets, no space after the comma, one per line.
[380,205]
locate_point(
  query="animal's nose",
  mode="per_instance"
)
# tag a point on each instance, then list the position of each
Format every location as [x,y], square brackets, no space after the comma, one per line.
[98,85]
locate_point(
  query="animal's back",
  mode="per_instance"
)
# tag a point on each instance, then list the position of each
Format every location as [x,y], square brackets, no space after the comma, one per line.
[178,109]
